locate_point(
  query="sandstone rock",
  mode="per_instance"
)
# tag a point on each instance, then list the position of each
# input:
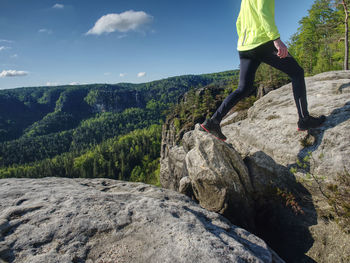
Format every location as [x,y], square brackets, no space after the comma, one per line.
[271,128]
[218,176]
[171,158]
[101,220]
[172,155]
[213,173]
[263,90]
[186,186]
[269,144]
[221,182]
[234,117]
[173,164]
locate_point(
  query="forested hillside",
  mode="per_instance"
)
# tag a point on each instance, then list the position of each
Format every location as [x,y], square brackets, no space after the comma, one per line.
[320,42]
[91,130]
[32,111]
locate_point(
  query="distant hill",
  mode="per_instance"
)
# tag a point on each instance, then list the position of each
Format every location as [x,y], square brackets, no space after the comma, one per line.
[41,123]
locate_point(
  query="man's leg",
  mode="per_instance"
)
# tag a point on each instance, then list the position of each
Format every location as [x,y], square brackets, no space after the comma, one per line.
[291,67]
[248,69]
[268,54]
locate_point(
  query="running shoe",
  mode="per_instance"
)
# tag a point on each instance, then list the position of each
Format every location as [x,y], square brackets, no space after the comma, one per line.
[310,122]
[213,127]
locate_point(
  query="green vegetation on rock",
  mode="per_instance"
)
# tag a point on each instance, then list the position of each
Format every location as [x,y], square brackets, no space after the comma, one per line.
[91,130]
[319,43]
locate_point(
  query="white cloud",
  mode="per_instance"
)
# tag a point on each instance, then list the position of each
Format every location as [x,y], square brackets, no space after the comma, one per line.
[6,41]
[12,73]
[14,56]
[123,22]
[51,84]
[3,48]
[122,75]
[74,83]
[141,74]
[45,30]
[58,6]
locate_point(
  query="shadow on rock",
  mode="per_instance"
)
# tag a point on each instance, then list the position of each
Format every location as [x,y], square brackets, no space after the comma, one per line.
[6,254]
[284,209]
[258,248]
[337,117]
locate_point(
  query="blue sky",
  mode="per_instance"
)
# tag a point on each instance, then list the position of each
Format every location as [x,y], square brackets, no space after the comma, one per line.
[45,42]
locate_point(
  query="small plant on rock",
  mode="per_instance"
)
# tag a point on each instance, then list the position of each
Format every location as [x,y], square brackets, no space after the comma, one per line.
[339,199]
[290,201]
[336,193]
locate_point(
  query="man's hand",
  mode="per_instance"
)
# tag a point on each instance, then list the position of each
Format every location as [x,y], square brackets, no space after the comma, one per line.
[281,47]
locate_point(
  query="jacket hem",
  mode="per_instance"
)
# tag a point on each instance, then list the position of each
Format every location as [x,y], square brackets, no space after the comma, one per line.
[250,47]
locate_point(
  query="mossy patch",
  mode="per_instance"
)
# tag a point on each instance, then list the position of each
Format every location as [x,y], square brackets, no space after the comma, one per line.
[339,200]
[307,141]
[271,117]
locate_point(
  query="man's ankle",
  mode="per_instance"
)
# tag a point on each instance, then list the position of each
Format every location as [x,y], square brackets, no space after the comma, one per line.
[215,121]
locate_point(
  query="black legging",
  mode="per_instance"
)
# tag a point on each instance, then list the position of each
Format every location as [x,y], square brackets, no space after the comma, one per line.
[249,63]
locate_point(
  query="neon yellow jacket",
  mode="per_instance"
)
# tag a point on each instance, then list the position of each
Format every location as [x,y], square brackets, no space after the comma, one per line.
[256,23]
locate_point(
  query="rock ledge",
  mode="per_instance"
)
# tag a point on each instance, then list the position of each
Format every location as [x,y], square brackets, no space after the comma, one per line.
[100,220]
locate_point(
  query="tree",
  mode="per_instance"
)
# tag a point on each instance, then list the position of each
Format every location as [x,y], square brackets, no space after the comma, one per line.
[318,45]
[345,4]
[208,102]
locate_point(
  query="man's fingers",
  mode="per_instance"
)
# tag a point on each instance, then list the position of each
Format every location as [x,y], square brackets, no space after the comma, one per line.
[282,53]
[281,48]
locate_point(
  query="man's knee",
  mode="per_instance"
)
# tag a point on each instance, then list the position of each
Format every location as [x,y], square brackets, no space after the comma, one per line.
[300,71]
[243,90]
[297,72]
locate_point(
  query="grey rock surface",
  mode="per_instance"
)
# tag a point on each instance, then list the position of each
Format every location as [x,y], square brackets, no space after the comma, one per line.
[186,186]
[171,158]
[172,154]
[100,220]
[269,135]
[172,164]
[268,142]
[219,178]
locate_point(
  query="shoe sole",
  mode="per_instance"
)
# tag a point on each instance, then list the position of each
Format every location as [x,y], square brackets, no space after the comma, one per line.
[211,133]
[301,130]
